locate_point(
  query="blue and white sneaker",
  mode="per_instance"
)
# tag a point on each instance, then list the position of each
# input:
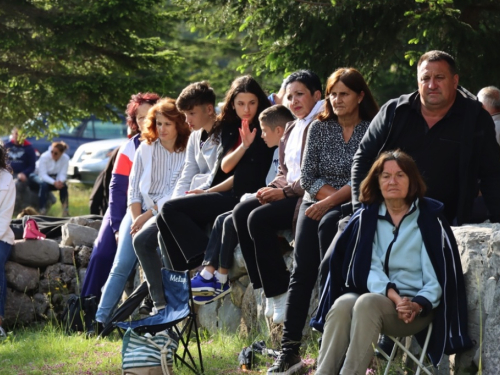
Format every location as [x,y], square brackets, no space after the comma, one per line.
[220,291]
[201,286]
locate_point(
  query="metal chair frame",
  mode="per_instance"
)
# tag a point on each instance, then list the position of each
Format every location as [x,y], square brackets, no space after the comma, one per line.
[418,361]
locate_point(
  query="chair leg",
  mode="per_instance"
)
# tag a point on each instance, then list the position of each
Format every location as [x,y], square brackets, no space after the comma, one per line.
[391,358]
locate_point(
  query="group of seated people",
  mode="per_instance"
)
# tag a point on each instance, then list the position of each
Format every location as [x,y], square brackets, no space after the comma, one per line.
[256,169]
[44,175]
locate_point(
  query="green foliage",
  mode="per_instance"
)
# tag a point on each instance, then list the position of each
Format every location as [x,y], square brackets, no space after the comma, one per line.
[371,36]
[67,59]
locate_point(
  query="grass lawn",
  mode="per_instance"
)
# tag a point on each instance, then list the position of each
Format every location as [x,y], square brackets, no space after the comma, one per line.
[48,350]
[78,201]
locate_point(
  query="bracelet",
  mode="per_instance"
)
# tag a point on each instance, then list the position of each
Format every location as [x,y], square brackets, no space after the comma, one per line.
[284,193]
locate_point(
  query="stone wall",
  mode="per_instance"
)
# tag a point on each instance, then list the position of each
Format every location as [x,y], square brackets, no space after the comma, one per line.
[41,275]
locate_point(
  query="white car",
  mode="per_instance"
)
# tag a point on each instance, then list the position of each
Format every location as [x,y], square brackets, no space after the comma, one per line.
[90,159]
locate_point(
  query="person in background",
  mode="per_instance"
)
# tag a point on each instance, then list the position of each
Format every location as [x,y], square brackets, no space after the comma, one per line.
[390,273]
[223,238]
[325,176]
[7,201]
[21,157]
[241,154]
[50,175]
[490,97]
[276,207]
[109,240]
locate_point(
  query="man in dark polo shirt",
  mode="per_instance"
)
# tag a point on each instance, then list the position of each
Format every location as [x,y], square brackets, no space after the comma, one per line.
[448,134]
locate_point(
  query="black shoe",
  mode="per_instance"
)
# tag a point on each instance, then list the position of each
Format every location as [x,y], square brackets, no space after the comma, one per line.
[287,363]
[146,306]
[95,329]
[386,344]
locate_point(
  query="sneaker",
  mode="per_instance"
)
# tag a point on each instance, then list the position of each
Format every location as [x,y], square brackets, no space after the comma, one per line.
[43,211]
[156,311]
[201,286]
[146,306]
[279,308]
[287,363]
[220,291]
[269,311]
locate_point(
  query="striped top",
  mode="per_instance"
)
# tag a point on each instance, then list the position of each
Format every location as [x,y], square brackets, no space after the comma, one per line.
[165,170]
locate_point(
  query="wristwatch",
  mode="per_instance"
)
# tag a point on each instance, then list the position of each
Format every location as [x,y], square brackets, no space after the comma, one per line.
[154,212]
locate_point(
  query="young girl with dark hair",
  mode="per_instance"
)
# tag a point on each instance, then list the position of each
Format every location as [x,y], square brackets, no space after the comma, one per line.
[242,165]
[7,201]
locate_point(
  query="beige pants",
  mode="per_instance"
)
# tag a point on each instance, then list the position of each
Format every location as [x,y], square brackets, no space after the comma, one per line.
[351,332]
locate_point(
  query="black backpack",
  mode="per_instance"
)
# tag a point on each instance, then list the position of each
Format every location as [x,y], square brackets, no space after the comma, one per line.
[79,314]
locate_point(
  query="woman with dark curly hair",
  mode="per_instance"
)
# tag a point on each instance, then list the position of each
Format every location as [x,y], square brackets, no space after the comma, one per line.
[110,235]
[7,201]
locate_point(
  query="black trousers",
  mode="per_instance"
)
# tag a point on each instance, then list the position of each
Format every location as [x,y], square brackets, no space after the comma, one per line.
[312,240]
[183,226]
[257,227]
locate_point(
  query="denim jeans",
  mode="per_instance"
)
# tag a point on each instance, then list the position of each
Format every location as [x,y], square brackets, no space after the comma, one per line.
[124,263]
[43,190]
[5,249]
[222,242]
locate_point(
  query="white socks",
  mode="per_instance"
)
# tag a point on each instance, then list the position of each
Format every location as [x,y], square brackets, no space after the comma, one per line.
[221,277]
[206,274]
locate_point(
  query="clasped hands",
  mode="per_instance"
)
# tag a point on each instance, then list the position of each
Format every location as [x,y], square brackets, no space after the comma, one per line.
[407,310]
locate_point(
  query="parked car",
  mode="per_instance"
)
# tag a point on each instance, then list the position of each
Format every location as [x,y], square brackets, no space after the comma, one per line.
[88,130]
[90,159]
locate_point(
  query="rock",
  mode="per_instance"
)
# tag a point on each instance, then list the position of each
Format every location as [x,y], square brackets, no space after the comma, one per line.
[41,303]
[238,268]
[248,312]
[207,316]
[96,224]
[60,277]
[78,220]
[83,256]
[81,274]
[19,309]
[237,292]
[21,278]
[35,253]
[77,235]
[67,254]
[479,247]
[229,315]
[244,280]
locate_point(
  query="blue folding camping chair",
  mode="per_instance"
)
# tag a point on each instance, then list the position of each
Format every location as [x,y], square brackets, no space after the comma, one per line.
[177,287]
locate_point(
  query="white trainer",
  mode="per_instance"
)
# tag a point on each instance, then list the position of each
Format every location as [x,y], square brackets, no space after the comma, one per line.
[280,308]
[269,307]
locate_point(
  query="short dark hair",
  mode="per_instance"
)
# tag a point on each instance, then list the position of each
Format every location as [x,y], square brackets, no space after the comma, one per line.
[436,55]
[195,94]
[277,115]
[370,188]
[306,77]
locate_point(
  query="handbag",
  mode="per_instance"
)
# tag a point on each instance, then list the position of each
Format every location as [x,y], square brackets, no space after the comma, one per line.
[148,355]
[31,231]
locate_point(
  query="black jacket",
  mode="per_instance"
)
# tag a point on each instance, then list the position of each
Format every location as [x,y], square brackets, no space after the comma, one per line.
[251,171]
[479,155]
[350,265]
